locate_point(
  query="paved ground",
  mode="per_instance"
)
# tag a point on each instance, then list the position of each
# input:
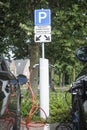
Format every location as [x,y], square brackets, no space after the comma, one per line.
[49,127]
[5,125]
[46,127]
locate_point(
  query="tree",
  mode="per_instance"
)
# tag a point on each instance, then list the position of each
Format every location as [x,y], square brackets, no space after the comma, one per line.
[69,30]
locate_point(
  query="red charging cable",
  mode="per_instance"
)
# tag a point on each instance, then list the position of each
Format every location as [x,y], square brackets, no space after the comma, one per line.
[34,108]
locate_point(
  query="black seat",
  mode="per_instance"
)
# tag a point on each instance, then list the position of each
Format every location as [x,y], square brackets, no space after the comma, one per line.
[6,75]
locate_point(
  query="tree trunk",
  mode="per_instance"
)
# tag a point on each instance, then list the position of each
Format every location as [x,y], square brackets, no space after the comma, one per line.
[63,79]
[60,79]
[34,59]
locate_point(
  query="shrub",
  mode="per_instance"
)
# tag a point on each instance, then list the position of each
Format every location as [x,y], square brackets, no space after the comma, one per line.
[59,109]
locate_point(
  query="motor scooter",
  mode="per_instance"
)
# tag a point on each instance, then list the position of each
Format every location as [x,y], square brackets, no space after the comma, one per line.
[10,96]
[79,94]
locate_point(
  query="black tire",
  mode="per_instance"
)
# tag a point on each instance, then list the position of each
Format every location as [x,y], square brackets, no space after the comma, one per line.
[77,111]
[63,126]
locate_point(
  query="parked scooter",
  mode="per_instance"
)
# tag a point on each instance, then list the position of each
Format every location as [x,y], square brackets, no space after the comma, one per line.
[10,96]
[79,94]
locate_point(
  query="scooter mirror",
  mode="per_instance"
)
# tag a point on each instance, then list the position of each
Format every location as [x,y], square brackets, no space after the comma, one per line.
[81,53]
[6,75]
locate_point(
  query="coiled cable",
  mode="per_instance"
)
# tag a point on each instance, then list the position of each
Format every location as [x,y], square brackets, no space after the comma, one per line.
[34,108]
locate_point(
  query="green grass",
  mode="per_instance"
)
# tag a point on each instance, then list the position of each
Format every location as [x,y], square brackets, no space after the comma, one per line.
[59,109]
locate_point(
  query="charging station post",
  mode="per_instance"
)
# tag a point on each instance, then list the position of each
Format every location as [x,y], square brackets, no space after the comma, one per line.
[42,31]
[44,87]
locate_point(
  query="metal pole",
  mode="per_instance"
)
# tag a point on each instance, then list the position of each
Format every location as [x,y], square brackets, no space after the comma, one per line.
[43,50]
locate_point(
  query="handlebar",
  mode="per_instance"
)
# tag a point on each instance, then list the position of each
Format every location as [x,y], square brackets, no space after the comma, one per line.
[81,83]
[76,86]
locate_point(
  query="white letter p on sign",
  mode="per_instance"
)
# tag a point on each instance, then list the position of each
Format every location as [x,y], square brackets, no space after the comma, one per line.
[42,15]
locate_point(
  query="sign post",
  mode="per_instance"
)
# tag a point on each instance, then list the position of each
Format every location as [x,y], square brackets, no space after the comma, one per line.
[42,30]
[43,55]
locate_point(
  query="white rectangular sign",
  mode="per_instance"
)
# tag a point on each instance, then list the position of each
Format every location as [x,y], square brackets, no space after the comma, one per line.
[42,29]
[42,37]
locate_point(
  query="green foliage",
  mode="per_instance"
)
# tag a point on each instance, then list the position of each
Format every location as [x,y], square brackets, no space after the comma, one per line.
[68,25]
[26,104]
[59,109]
[69,31]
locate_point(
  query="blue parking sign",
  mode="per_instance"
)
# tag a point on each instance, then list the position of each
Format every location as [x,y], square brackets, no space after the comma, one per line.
[42,17]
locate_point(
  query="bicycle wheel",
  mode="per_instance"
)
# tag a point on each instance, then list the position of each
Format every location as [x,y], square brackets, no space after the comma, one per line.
[63,126]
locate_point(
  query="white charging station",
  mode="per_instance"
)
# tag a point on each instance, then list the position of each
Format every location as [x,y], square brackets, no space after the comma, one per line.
[44,87]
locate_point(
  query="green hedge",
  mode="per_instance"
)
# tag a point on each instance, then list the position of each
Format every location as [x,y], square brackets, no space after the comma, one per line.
[59,109]
[60,106]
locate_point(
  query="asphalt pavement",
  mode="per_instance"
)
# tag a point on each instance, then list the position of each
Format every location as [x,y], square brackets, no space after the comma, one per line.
[63,126]
[5,125]
[39,127]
